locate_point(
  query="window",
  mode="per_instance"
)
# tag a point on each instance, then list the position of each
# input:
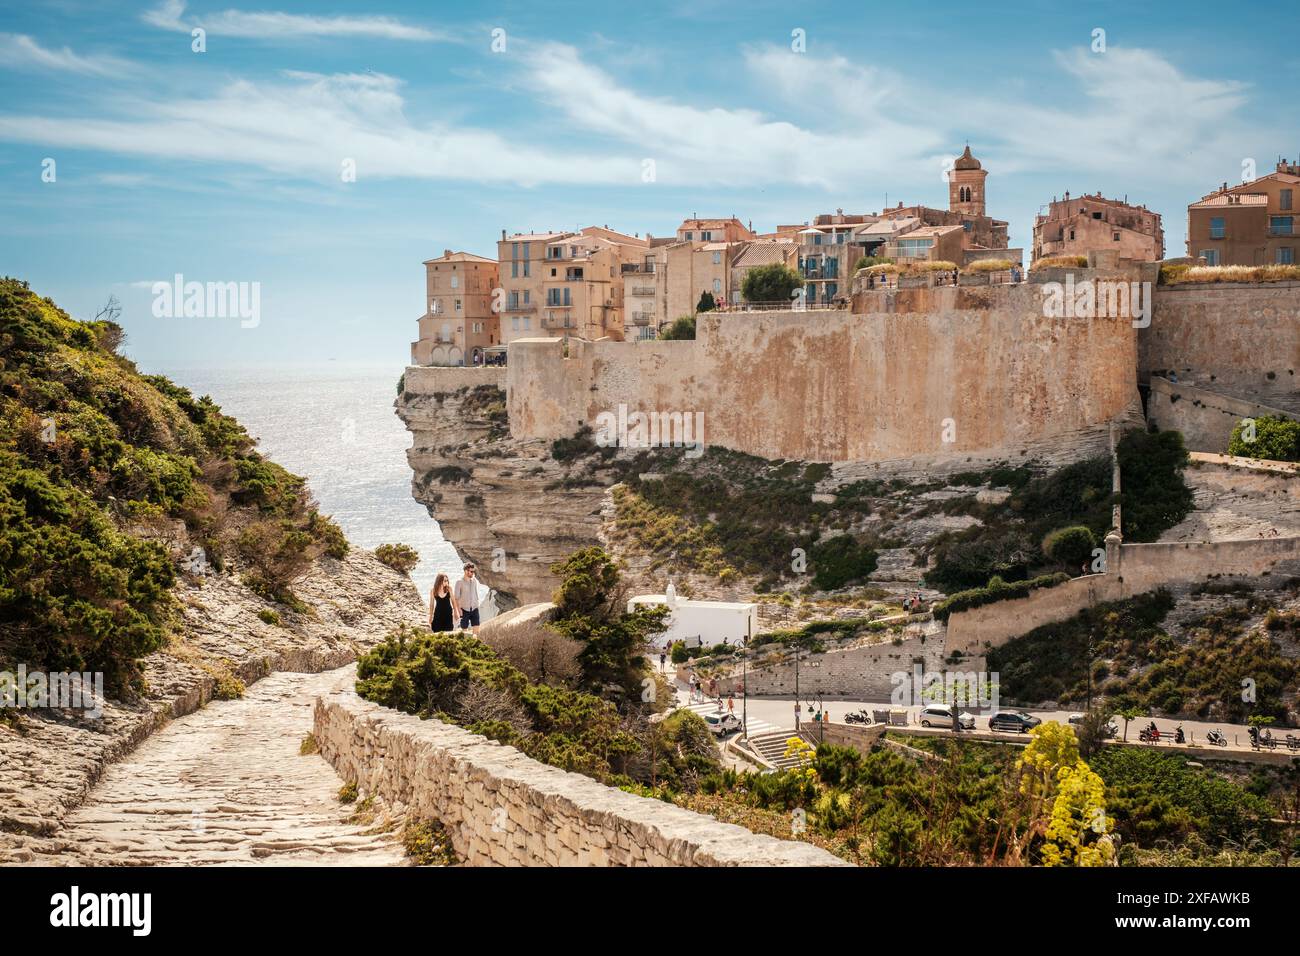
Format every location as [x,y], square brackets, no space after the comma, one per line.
[514,250]
[1211,256]
[527,269]
[717,258]
[514,270]
[455,282]
[1217,229]
[1280,225]
[1071,233]
[717,286]
[688,236]
[528,323]
[1114,237]
[1096,215]
[526,297]
[458,305]
[514,300]
[1284,199]
[514,323]
[552,296]
[1285,256]
[706,236]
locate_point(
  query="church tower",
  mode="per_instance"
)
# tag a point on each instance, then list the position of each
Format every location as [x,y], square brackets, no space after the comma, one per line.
[966,185]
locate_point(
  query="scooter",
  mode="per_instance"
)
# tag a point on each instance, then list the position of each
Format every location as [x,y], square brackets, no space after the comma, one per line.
[1179,736]
[1149,736]
[858,717]
[1216,738]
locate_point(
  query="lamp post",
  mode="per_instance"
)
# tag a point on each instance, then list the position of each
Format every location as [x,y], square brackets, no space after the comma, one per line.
[744,676]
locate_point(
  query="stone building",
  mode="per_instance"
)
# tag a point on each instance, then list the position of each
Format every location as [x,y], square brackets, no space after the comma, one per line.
[582,282]
[983,237]
[523,265]
[1077,226]
[459,322]
[1252,224]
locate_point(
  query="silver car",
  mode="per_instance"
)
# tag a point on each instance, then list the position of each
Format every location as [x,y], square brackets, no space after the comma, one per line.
[937,716]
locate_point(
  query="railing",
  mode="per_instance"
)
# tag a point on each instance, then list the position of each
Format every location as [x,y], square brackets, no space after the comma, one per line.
[642,290]
[634,267]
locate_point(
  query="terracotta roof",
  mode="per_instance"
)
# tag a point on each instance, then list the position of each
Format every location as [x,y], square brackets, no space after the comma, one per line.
[966,160]
[462,257]
[1238,199]
[763,254]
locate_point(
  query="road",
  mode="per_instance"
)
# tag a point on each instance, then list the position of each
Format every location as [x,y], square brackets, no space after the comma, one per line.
[777,712]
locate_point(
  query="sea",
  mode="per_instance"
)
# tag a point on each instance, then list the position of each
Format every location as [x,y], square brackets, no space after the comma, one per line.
[335,425]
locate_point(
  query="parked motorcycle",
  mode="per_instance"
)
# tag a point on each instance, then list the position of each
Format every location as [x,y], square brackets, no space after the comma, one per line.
[1216,738]
[858,717]
[1179,736]
[1149,736]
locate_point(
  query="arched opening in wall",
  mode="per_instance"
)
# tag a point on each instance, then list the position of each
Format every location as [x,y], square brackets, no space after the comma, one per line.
[438,356]
[477,355]
[455,356]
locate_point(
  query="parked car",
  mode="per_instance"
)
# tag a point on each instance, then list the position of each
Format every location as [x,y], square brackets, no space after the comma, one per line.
[1013,721]
[722,724]
[940,716]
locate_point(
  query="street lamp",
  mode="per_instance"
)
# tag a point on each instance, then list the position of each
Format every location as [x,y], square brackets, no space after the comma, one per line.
[744,676]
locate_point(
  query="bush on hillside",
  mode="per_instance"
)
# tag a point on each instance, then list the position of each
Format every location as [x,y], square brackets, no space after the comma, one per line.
[1070,546]
[996,590]
[402,558]
[1276,439]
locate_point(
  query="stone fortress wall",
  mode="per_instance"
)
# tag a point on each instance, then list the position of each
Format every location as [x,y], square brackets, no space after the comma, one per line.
[844,386]
[501,808]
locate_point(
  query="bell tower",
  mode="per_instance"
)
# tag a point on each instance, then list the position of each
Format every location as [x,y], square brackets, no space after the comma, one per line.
[966,185]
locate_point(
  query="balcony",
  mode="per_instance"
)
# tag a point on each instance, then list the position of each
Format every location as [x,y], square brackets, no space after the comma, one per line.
[642,290]
[642,318]
[631,268]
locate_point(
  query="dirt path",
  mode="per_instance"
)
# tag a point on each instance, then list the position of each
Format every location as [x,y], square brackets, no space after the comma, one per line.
[226,786]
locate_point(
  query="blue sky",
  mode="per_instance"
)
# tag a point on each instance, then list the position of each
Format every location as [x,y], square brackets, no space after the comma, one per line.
[225,165]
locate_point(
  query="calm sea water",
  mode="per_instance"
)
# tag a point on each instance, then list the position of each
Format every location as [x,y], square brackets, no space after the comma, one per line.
[335,425]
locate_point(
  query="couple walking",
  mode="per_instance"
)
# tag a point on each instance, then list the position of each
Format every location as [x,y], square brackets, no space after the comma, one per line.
[450,603]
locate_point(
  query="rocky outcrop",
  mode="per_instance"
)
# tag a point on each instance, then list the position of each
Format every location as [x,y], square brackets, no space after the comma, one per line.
[51,763]
[501,808]
[505,504]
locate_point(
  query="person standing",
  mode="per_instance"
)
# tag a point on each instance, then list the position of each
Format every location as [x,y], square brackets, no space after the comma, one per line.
[798,711]
[731,704]
[466,595]
[442,605]
[663,659]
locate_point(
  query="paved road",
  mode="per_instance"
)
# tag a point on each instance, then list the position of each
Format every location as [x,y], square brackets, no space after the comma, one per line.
[778,713]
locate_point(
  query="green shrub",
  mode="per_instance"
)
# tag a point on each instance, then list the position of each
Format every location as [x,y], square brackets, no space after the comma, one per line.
[839,561]
[1070,546]
[269,616]
[426,844]
[1276,439]
[402,558]
[774,282]
[1154,497]
[682,328]
[996,590]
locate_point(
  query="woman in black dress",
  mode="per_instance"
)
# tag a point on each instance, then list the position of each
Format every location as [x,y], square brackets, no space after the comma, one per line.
[442,610]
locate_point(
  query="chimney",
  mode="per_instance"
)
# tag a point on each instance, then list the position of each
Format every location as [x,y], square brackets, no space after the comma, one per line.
[446,253]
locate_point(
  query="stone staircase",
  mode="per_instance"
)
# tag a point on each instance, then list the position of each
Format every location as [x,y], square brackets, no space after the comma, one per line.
[771,748]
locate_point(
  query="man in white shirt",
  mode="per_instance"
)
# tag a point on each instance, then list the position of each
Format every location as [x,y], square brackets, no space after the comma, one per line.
[466,593]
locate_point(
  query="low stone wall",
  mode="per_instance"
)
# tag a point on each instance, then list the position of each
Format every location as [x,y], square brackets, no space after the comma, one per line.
[1144,567]
[1206,418]
[859,736]
[971,632]
[501,808]
[430,379]
[856,673]
[1140,568]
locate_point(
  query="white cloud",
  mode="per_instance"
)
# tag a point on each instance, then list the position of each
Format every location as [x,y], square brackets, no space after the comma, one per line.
[21,51]
[270,25]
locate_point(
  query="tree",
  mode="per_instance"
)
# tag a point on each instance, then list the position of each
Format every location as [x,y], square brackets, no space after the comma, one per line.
[770,283]
[1273,439]
[683,327]
[1130,713]
[1153,494]
[707,303]
[589,608]
[1070,546]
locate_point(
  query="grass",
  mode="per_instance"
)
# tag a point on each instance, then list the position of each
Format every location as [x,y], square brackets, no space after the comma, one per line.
[1182,274]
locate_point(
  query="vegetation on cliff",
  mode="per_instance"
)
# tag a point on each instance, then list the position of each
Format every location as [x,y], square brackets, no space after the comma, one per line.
[1273,439]
[111,484]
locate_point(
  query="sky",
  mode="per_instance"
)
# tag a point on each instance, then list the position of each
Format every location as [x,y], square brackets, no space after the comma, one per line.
[128,157]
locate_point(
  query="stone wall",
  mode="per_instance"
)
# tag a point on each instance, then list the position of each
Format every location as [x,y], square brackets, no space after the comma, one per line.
[429,379]
[1141,568]
[855,673]
[501,808]
[971,632]
[839,386]
[1204,416]
[1241,340]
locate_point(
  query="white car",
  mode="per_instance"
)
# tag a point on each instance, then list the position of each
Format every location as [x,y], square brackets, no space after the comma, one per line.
[722,724]
[938,716]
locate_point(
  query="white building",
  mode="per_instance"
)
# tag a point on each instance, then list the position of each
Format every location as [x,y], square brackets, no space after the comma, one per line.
[701,622]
